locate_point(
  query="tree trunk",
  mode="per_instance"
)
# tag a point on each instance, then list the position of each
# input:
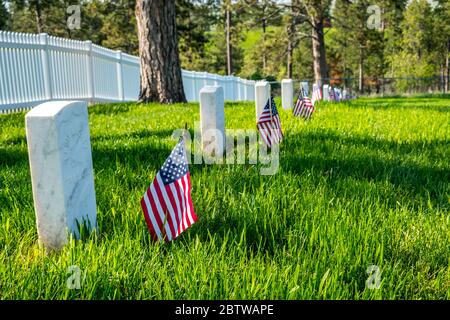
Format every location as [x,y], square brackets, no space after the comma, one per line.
[39,23]
[229,48]
[290,47]
[361,70]
[289,59]
[447,69]
[161,79]
[264,55]
[319,55]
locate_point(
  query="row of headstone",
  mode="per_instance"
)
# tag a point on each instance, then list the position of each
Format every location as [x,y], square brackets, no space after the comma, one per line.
[61,161]
[287,92]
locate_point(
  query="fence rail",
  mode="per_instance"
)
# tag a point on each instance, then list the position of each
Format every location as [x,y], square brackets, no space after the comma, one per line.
[384,86]
[35,68]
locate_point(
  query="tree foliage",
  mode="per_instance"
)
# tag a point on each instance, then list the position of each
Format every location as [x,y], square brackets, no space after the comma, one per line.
[412,40]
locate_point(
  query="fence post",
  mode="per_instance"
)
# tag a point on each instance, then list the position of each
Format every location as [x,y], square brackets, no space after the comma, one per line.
[43,40]
[90,71]
[194,85]
[119,75]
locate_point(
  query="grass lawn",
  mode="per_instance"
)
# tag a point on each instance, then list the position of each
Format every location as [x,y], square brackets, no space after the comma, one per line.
[363,183]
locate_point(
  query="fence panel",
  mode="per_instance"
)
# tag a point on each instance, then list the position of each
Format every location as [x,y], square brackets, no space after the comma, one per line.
[21,70]
[104,67]
[35,68]
[130,77]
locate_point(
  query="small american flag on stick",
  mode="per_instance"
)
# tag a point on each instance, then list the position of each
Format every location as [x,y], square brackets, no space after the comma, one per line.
[167,203]
[316,94]
[332,94]
[337,94]
[269,124]
[303,108]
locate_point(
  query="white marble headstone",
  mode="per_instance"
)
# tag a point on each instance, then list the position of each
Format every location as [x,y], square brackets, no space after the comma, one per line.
[326,92]
[212,119]
[344,94]
[287,93]
[262,95]
[60,157]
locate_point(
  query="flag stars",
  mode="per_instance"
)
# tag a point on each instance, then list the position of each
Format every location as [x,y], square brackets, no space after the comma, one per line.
[175,166]
[164,222]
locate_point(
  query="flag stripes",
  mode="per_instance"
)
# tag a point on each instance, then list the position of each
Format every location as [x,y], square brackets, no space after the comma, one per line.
[269,124]
[304,107]
[167,203]
[316,94]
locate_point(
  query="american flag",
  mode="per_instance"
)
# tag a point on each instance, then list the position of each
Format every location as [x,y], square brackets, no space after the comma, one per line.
[337,94]
[167,203]
[332,94]
[316,94]
[304,107]
[269,124]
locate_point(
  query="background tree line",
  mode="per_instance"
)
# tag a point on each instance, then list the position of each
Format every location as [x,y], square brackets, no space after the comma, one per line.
[300,39]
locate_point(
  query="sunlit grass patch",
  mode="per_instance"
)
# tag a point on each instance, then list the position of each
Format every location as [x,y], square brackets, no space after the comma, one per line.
[363,183]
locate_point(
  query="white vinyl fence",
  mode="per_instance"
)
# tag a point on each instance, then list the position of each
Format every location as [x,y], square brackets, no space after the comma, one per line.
[35,68]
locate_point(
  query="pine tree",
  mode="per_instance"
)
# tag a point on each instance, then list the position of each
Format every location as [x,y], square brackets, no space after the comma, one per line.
[441,41]
[360,42]
[119,27]
[4,17]
[315,13]
[158,50]
[194,22]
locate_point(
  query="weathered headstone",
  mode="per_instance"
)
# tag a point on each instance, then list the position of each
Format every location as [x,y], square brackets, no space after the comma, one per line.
[326,92]
[262,95]
[344,94]
[59,150]
[287,93]
[212,119]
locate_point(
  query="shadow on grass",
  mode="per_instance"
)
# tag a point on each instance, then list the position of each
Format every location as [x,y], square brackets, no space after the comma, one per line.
[244,233]
[137,153]
[110,109]
[140,134]
[415,103]
[423,181]
[13,157]
[135,156]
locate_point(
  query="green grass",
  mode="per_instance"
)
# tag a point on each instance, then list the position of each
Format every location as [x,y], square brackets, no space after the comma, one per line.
[363,183]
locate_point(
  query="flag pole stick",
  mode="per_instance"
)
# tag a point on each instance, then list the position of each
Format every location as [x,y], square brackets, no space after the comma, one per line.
[270,101]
